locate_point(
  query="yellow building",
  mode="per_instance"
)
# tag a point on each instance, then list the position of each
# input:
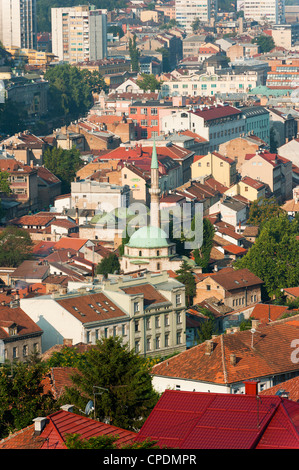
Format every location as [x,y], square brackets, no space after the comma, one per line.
[249,188]
[221,168]
[31,56]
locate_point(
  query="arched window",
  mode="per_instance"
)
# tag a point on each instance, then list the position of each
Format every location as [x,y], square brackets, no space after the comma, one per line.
[158,252]
[140,253]
[158,266]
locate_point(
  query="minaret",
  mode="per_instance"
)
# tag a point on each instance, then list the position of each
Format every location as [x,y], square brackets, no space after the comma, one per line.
[155,191]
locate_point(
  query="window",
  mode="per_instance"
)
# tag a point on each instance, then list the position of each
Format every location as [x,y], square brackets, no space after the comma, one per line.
[144,111]
[144,122]
[148,344]
[157,341]
[178,299]
[106,332]
[88,340]
[15,352]
[25,350]
[158,253]
[136,307]
[179,318]
[133,110]
[166,340]
[158,266]
[137,346]
[154,111]
[123,330]
[157,322]
[148,324]
[114,331]
[166,320]
[208,287]
[136,326]
[179,337]
[140,253]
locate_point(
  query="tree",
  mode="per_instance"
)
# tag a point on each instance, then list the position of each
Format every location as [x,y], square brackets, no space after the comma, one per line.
[120,378]
[15,246]
[64,164]
[148,82]
[202,254]
[134,54]
[66,357]
[22,395]
[274,256]
[108,265]
[262,210]
[165,58]
[75,441]
[265,42]
[207,327]
[70,90]
[195,25]
[186,277]
[4,188]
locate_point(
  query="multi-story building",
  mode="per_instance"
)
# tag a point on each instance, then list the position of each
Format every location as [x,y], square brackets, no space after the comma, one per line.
[257,122]
[18,23]
[94,195]
[220,167]
[79,33]
[186,11]
[271,11]
[148,312]
[210,83]
[271,169]
[216,124]
[285,35]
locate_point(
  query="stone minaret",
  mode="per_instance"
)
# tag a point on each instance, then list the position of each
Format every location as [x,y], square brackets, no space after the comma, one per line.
[155,191]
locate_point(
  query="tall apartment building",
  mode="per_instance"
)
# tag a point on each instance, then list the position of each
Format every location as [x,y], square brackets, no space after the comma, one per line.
[272,11]
[79,33]
[18,23]
[186,11]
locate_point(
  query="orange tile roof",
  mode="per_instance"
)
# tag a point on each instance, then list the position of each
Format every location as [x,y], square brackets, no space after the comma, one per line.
[263,359]
[67,242]
[263,312]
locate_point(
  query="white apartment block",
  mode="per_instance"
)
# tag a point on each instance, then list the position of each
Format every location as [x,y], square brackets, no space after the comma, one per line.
[79,34]
[98,196]
[272,11]
[18,23]
[209,84]
[216,124]
[186,11]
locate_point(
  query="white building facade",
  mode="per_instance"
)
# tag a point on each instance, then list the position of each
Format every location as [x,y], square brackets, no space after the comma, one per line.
[79,34]
[18,23]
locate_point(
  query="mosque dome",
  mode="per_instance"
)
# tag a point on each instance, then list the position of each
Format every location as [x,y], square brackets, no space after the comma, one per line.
[149,237]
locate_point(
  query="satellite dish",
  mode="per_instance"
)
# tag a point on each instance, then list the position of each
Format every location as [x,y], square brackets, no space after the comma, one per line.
[89,407]
[253,330]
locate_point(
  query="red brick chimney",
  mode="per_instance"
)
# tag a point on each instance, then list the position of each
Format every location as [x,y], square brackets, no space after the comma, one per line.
[251,387]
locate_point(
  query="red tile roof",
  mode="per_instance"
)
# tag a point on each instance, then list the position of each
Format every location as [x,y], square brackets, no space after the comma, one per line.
[263,312]
[215,112]
[60,424]
[25,325]
[291,387]
[66,242]
[194,420]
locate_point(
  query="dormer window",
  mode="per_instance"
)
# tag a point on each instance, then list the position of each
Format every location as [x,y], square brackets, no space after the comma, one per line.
[13,330]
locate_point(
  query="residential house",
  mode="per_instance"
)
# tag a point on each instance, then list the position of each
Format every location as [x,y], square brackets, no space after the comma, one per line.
[25,147]
[194,420]
[49,187]
[284,126]
[239,288]
[292,205]
[249,188]
[226,361]
[50,432]
[220,167]
[271,169]
[19,334]
[239,147]
[23,184]
[98,196]
[290,150]
[29,272]
[257,122]
[231,211]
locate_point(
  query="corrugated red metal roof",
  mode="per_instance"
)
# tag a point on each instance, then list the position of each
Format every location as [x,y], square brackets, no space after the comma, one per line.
[195,420]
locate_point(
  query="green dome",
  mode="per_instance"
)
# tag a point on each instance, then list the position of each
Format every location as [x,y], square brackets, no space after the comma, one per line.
[149,237]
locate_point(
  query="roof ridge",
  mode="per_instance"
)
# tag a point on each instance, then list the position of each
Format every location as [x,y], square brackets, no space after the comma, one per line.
[223,360]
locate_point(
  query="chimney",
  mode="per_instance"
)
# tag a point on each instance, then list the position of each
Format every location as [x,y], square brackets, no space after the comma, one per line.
[39,424]
[69,408]
[233,359]
[251,387]
[67,342]
[209,347]
[255,323]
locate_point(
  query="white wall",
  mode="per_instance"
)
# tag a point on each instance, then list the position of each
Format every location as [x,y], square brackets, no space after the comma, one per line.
[56,322]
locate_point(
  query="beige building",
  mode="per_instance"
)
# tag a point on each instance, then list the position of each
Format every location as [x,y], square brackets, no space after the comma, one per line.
[238,148]
[236,289]
[249,188]
[98,196]
[221,168]
[79,33]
